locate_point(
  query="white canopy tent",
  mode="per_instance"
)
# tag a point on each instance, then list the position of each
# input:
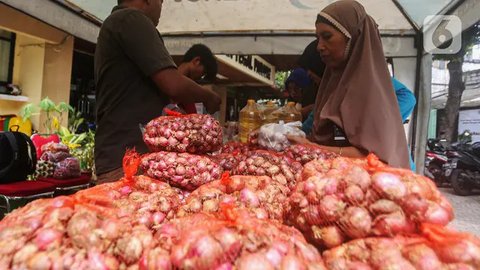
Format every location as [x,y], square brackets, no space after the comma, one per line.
[277,27]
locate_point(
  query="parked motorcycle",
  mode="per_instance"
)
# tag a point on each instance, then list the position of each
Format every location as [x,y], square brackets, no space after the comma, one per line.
[464,169]
[435,161]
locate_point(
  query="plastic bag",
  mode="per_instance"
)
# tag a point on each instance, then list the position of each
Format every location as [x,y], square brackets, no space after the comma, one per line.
[274,136]
[68,168]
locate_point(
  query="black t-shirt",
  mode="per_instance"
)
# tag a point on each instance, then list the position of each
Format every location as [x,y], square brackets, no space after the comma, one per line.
[129,50]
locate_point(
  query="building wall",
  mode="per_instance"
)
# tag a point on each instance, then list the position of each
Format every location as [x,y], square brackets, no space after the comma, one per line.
[42,62]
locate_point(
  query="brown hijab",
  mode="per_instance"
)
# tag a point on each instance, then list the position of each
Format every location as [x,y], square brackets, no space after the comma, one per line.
[360,98]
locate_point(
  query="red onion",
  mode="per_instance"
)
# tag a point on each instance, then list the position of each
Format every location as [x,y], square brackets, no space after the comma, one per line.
[47,237]
[389,185]
[356,222]
[249,197]
[254,262]
[392,224]
[329,237]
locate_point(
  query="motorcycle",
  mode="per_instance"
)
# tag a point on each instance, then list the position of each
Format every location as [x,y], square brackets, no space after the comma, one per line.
[464,169]
[435,161]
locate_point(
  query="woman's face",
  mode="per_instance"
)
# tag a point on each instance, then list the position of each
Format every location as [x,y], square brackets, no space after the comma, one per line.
[331,45]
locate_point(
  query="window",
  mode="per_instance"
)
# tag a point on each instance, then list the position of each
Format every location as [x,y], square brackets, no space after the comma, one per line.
[7,47]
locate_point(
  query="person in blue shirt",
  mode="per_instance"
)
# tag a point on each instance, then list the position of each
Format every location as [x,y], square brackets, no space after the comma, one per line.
[406,103]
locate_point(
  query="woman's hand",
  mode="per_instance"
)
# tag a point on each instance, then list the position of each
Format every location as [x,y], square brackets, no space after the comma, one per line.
[298,140]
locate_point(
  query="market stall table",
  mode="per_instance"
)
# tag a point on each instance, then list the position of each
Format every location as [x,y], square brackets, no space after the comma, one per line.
[17,194]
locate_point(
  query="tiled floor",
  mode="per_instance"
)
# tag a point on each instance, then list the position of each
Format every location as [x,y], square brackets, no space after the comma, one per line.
[467,211]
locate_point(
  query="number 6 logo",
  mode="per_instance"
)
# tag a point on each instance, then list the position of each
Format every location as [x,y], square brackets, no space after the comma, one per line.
[442,34]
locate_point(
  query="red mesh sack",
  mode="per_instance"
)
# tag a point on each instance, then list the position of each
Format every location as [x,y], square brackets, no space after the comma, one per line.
[280,168]
[348,199]
[260,196]
[306,153]
[442,249]
[182,170]
[194,133]
[204,242]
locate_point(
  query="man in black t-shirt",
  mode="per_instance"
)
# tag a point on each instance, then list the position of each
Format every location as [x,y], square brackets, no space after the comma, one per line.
[135,78]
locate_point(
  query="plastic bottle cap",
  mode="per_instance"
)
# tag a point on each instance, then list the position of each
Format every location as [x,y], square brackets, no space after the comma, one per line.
[250,101]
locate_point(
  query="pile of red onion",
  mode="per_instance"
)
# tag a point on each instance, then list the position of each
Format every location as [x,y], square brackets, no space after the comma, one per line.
[414,252]
[141,201]
[181,170]
[64,233]
[306,153]
[203,242]
[344,200]
[236,148]
[280,168]
[194,133]
[260,196]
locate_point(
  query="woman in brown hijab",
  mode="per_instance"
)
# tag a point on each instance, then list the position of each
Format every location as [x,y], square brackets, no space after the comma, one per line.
[356,111]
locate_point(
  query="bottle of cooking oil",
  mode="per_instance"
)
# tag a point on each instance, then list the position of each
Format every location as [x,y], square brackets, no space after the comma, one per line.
[249,120]
[269,117]
[288,113]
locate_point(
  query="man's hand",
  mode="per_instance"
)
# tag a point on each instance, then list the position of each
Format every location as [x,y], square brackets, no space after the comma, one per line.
[213,104]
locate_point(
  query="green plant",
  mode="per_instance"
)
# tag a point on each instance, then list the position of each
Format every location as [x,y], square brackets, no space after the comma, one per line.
[75,119]
[81,145]
[53,112]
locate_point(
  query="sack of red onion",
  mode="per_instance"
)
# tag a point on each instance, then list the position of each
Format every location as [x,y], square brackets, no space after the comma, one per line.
[236,148]
[139,201]
[64,233]
[345,200]
[274,136]
[260,196]
[440,250]
[231,154]
[305,153]
[194,133]
[181,170]
[204,242]
[280,168]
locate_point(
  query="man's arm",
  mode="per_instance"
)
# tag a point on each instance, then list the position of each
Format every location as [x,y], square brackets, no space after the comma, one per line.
[184,90]
[142,43]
